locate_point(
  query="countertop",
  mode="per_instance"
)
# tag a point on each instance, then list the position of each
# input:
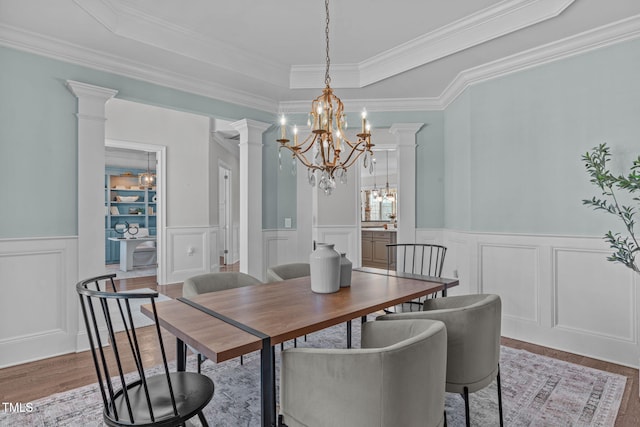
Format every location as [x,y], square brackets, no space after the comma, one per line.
[390,230]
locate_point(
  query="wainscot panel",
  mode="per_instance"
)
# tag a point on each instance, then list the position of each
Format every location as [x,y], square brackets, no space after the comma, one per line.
[345,238]
[189,252]
[557,291]
[39,309]
[279,247]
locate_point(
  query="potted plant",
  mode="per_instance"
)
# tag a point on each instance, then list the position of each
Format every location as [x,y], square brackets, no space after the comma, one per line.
[625,247]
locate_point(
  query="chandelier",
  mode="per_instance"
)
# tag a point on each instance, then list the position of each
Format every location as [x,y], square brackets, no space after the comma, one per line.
[146,179]
[326,149]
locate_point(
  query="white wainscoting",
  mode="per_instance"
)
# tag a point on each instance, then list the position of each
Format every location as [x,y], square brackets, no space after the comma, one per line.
[39,306]
[346,238]
[556,291]
[191,251]
[280,247]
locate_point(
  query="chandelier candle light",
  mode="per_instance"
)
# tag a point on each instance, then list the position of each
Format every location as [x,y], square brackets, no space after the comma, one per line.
[326,149]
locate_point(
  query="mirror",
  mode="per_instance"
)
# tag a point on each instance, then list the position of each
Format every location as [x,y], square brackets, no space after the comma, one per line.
[378,191]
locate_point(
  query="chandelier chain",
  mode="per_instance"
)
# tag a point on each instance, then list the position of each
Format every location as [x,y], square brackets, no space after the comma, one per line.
[327,78]
[327,149]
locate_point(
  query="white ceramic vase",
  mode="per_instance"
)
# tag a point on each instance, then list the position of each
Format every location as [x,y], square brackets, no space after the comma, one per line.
[324,264]
[345,270]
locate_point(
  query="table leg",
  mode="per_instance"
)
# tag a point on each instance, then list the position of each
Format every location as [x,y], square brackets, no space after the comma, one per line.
[348,333]
[181,355]
[268,383]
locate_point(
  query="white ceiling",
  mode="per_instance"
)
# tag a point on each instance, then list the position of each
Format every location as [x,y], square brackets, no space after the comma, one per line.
[401,54]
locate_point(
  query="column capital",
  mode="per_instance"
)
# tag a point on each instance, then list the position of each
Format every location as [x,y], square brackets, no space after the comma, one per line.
[247,127]
[81,90]
[405,129]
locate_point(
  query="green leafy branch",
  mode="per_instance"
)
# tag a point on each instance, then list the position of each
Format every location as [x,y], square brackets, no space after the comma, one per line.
[625,247]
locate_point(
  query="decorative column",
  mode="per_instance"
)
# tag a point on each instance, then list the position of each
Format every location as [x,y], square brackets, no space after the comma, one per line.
[405,135]
[251,258]
[91,159]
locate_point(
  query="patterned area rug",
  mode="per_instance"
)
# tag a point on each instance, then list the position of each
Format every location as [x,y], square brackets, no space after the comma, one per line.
[536,390]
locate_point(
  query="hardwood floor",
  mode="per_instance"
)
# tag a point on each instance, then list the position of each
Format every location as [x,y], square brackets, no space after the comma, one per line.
[31,381]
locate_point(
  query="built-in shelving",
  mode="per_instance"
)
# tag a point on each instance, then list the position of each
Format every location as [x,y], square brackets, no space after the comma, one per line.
[120,188]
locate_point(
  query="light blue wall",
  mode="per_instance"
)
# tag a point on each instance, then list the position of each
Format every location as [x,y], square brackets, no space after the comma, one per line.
[38,148]
[503,157]
[513,144]
[429,160]
[457,185]
[279,186]
[38,137]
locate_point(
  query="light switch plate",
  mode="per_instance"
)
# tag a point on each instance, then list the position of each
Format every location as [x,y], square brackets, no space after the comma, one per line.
[287,223]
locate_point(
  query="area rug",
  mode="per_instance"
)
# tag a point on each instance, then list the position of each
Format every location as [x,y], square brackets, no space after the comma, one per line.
[536,390]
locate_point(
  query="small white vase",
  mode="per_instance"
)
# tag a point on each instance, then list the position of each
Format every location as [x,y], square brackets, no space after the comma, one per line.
[324,264]
[345,271]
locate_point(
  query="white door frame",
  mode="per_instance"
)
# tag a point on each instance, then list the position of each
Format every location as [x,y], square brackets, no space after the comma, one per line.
[161,206]
[225,197]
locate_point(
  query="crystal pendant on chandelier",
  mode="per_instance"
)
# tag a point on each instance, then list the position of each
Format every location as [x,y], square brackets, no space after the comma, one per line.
[327,149]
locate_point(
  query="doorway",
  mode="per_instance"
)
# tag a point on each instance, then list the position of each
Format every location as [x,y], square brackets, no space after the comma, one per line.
[224,213]
[150,205]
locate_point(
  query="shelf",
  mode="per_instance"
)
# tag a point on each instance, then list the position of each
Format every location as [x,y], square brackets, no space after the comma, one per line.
[128,203]
[120,177]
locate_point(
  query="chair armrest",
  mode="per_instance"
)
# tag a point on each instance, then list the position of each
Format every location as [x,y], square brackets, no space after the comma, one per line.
[400,384]
[473,341]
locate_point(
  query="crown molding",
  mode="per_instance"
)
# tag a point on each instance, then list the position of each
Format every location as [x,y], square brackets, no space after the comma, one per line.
[620,31]
[617,32]
[495,21]
[63,51]
[133,24]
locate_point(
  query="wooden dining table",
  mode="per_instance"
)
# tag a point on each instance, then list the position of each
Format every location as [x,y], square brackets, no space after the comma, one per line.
[225,324]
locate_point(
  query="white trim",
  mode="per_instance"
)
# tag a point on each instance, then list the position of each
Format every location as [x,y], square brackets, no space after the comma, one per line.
[42,271]
[61,50]
[617,32]
[557,291]
[161,180]
[495,21]
[133,24]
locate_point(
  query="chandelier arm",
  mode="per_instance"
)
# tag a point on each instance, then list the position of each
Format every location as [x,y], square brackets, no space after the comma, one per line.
[358,151]
[310,140]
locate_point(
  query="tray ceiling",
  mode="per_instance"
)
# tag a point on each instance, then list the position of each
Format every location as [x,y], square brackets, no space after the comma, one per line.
[403,54]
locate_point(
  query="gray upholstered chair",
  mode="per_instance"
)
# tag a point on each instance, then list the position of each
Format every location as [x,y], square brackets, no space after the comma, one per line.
[278,273]
[212,282]
[395,379]
[473,351]
[292,270]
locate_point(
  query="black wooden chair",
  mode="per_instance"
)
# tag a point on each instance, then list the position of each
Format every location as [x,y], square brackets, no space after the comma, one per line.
[139,398]
[424,259]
